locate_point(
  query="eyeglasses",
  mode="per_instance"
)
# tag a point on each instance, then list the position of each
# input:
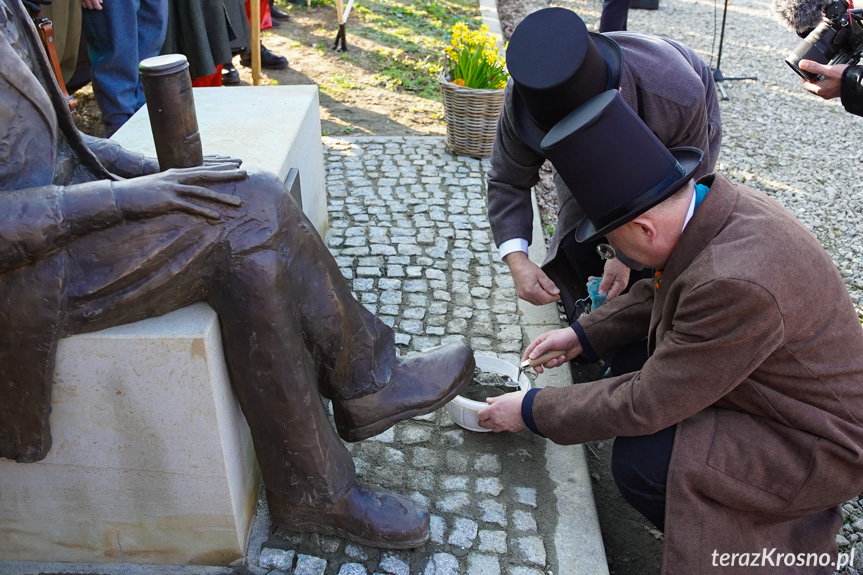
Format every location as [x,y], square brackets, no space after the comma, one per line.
[606,252]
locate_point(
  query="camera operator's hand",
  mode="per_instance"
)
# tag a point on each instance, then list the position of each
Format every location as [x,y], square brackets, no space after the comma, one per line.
[829,86]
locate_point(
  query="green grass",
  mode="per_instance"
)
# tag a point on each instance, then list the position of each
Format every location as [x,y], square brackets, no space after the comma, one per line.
[411,37]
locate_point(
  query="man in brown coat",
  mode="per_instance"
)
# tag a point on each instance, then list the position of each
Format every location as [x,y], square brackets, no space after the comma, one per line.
[83,249]
[743,431]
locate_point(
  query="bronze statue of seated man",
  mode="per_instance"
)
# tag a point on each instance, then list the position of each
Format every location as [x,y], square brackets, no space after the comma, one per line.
[83,249]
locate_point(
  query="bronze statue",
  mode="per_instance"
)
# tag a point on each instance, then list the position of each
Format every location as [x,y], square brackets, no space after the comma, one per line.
[92,236]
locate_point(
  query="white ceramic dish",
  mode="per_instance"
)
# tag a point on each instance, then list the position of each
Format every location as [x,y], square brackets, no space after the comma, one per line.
[463,411]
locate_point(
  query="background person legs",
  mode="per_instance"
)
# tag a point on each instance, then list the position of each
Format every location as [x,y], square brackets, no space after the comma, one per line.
[119,36]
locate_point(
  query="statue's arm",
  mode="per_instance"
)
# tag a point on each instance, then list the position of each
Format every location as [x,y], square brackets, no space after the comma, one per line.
[119,160]
[35,222]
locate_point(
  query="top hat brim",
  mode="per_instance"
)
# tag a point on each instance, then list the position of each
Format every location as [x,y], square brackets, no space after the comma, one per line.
[530,132]
[688,160]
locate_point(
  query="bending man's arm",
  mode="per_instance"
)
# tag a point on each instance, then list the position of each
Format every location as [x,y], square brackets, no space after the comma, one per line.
[514,171]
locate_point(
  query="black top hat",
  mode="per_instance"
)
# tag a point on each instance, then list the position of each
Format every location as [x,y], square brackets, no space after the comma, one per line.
[615,167]
[556,65]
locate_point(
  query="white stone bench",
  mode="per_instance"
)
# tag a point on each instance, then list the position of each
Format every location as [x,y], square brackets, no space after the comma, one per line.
[152,460]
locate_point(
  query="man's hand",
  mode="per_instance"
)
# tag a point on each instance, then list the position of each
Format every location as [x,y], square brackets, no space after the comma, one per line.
[503,413]
[558,339]
[91,4]
[829,86]
[615,276]
[180,190]
[531,283]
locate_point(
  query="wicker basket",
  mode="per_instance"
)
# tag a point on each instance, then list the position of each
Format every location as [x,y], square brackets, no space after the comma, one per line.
[471,117]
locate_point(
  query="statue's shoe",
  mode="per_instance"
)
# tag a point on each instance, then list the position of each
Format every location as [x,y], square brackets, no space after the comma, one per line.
[366,515]
[419,384]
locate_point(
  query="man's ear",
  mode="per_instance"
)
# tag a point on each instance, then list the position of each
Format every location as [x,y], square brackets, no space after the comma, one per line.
[646,227]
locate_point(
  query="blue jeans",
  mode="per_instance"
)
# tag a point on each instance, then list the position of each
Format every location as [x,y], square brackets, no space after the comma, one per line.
[119,36]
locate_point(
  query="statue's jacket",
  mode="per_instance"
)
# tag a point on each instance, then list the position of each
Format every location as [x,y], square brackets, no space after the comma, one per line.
[756,353]
[52,190]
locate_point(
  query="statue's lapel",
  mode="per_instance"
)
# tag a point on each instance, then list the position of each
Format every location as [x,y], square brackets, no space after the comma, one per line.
[17,74]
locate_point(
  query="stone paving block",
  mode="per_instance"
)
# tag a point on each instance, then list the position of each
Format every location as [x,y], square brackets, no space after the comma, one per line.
[437,528]
[493,511]
[492,541]
[454,482]
[531,550]
[355,551]
[523,521]
[276,559]
[464,532]
[394,564]
[310,565]
[526,495]
[489,485]
[487,463]
[454,503]
[480,564]
[441,564]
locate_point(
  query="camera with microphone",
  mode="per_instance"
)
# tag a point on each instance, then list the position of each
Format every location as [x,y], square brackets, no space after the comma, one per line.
[837,39]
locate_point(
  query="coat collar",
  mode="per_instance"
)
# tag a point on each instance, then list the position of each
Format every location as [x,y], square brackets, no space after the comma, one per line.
[705,225]
[40,87]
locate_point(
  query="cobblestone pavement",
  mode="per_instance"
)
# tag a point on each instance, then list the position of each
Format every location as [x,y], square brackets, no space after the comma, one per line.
[409,229]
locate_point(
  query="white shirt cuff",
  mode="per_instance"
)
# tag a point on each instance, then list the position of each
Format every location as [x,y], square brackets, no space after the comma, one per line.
[513,245]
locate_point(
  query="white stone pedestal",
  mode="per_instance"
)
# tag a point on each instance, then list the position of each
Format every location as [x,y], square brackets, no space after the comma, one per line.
[152,460]
[274,128]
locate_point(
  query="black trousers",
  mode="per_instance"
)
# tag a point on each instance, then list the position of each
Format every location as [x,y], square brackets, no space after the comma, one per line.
[639,466]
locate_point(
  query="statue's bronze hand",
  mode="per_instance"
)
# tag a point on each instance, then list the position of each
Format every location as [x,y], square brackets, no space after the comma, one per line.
[178,190]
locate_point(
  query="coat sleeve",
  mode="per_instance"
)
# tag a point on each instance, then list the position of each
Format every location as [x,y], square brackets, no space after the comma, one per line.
[119,160]
[623,320]
[514,171]
[710,348]
[35,222]
[851,90]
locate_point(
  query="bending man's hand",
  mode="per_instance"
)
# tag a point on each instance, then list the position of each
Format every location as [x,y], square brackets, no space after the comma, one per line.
[503,413]
[180,190]
[615,276]
[92,4]
[829,86]
[531,283]
[563,339]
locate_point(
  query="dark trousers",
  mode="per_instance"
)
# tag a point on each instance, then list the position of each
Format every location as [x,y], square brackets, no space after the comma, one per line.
[614,13]
[639,466]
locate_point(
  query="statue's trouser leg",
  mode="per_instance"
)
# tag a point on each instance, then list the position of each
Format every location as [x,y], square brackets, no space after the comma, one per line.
[289,322]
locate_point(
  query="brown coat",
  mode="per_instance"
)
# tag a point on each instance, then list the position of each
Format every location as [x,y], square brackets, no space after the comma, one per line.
[756,354]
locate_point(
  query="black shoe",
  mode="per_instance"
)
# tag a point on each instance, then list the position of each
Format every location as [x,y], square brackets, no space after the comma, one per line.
[269,60]
[278,15]
[230,76]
